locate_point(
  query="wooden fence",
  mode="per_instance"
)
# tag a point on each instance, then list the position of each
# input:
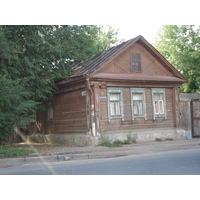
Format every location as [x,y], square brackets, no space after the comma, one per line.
[190,114]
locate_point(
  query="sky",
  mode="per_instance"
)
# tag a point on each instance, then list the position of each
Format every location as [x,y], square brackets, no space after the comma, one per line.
[133,18]
[148,31]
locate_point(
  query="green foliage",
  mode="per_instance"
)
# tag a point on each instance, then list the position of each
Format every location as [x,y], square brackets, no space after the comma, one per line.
[33,59]
[16,108]
[106,141]
[130,139]
[117,143]
[158,140]
[180,45]
[107,36]
[14,152]
[169,139]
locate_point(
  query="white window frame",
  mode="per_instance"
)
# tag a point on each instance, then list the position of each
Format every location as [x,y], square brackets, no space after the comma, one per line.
[118,91]
[159,103]
[138,91]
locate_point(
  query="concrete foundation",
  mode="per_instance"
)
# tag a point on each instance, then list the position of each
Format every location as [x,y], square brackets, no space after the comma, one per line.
[140,135]
[144,135]
[67,139]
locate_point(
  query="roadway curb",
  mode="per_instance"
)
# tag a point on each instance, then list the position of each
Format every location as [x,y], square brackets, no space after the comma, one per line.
[98,154]
[9,162]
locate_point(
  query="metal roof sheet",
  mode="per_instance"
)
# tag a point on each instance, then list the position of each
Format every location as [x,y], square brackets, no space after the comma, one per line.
[88,66]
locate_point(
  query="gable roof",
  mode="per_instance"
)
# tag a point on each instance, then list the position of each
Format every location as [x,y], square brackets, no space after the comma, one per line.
[98,61]
[89,66]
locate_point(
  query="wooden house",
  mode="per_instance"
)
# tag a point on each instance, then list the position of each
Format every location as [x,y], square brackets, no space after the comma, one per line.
[128,89]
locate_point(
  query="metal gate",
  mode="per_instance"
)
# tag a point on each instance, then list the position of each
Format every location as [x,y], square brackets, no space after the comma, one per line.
[195,108]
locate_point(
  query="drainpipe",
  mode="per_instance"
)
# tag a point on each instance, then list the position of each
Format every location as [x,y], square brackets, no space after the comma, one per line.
[91,93]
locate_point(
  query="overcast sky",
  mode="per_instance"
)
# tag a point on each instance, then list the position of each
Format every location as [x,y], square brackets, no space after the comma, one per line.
[126,32]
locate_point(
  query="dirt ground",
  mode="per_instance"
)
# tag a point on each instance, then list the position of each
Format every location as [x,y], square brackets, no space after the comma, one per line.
[139,148]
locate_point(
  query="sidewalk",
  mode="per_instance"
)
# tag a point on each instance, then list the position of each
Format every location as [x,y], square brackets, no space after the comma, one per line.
[56,153]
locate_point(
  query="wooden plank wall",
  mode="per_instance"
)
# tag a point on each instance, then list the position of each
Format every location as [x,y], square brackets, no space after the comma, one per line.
[149,65]
[185,116]
[186,110]
[69,113]
[128,123]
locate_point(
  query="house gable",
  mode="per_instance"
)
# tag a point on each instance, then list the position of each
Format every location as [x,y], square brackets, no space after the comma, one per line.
[118,60]
[122,63]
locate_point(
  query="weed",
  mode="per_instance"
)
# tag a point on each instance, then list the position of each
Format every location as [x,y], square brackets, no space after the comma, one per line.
[169,139]
[117,143]
[105,141]
[158,140]
[130,139]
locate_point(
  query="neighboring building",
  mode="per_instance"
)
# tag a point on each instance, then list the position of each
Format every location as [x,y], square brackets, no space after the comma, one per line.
[128,89]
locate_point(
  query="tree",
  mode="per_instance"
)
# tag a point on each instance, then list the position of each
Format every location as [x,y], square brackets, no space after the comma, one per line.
[107,36]
[180,45]
[16,109]
[33,58]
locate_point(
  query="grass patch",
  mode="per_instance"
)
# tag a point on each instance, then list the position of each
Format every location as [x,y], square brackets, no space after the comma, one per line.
[106,141]
[14,152]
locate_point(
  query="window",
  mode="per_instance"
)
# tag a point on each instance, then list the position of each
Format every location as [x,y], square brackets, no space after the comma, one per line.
[136,63]
[115,103]
[159,103]
[138,103]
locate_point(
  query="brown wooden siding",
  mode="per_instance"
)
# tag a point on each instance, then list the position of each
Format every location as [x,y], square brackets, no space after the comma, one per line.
[128,123]
[69,113]
[149,65]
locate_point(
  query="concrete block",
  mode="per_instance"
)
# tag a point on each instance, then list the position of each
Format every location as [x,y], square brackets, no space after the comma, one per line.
[8,162]
[67,158]
[41,159]
[79,156]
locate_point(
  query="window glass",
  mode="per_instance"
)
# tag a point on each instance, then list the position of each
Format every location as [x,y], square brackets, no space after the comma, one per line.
[138,103]
[114,97]
[159,103]
[136,63]
[115,103]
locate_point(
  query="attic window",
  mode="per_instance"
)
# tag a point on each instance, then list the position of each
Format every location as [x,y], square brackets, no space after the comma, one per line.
[136,63]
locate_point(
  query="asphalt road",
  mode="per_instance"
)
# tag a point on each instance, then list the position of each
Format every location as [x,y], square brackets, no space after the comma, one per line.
[182,162]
